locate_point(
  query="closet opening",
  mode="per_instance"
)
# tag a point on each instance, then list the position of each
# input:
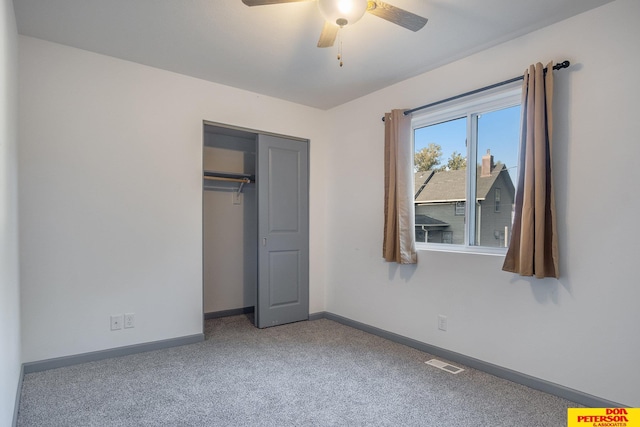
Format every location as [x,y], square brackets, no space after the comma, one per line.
[255,225]
[230,222]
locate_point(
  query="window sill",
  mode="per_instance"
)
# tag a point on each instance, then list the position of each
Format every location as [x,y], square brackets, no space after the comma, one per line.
[478,250]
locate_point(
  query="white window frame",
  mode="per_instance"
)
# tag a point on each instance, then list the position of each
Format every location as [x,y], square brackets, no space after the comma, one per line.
[470,107]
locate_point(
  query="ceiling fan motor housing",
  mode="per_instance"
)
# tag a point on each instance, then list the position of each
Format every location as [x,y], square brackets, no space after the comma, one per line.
[342,12]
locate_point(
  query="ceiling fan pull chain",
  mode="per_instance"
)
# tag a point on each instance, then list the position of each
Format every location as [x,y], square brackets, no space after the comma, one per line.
[340,52]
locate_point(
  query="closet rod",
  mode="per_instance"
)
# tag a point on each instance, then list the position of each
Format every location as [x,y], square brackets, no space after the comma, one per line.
[221,178]
[242,181]
[559,66]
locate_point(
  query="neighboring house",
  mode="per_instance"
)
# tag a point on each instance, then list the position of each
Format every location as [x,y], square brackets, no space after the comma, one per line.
[439,200]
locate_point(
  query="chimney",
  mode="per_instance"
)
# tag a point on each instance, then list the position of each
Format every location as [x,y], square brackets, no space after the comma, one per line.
[487,164]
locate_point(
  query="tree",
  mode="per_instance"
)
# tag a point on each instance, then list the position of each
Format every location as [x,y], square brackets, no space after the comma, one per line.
[456,161]
[427,158]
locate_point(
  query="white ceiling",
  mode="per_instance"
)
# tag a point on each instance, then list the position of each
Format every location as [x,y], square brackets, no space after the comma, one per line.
[272,49]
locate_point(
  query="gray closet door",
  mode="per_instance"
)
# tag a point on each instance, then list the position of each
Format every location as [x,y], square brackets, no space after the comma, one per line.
[283,231]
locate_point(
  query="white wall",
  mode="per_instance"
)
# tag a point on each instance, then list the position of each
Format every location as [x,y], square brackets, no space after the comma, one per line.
[110,160]
[579,331]
[9,287]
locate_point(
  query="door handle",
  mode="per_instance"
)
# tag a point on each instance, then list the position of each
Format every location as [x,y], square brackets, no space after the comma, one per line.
[264,241]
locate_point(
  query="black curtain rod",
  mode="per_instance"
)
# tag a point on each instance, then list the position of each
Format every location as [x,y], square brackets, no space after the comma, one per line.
[561,65]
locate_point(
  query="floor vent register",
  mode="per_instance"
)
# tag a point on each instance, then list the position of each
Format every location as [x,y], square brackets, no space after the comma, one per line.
[444,366]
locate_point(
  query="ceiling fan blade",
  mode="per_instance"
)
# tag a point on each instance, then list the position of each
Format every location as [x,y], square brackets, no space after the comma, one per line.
[398,16]
[328,35]
[266,2]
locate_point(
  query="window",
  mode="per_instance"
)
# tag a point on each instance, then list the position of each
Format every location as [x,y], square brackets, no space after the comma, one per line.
[465,167]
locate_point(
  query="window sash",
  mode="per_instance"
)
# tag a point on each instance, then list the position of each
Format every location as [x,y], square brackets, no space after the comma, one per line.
[470,107]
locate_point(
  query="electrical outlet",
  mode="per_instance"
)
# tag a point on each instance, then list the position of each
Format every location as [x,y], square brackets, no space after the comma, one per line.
[442,322]
[129,320]
[116,322]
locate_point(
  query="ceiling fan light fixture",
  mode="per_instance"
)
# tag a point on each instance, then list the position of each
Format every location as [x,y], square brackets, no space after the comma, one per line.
[342,12]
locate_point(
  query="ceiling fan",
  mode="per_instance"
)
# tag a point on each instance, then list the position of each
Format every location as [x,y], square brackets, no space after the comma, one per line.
[340,13]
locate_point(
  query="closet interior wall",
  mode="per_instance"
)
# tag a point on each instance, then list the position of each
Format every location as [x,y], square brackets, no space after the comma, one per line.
[229,221]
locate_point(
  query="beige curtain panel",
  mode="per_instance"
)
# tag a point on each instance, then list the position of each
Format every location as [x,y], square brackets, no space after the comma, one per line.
[533,250]
[399,244]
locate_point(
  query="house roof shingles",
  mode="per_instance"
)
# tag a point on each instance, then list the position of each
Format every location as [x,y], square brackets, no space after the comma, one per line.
[427,221]
[449,186]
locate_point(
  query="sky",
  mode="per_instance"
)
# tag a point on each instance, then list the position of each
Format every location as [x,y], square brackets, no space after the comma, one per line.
[498,131]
